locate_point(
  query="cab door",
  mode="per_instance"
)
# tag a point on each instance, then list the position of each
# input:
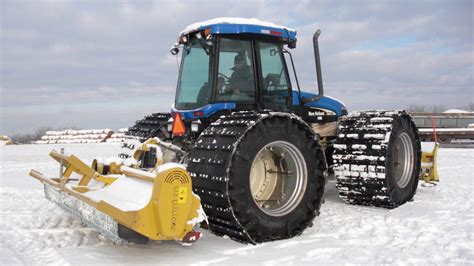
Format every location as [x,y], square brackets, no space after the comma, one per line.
[236,72]
[275,89]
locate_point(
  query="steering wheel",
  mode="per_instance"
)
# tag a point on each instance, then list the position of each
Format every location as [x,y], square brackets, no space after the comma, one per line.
[226,78]
[224,83]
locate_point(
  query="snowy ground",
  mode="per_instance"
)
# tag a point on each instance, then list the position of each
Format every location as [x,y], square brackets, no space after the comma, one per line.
[435,228]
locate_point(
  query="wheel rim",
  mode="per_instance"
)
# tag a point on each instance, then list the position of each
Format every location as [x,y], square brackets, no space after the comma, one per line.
[403,160]
[278,178]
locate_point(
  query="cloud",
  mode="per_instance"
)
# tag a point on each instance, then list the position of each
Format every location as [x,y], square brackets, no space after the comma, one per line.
[71,55]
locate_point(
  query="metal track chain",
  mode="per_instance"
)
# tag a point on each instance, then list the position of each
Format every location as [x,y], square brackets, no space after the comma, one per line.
[142,130]
[359,157]
[208,166]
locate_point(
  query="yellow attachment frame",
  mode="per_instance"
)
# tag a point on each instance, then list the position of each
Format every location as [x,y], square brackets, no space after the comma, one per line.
[170,214]
[429,165]
[146,146]
[75,165]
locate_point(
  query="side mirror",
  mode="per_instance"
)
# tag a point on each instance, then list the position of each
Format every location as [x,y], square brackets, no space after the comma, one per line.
[174,49]
[292,45]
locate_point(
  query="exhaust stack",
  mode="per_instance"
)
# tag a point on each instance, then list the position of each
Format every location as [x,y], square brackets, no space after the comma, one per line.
[319,75]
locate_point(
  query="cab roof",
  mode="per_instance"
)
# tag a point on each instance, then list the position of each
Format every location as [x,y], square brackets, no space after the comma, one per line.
[230,25]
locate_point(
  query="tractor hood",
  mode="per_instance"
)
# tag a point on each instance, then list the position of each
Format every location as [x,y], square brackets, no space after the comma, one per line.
[326,102]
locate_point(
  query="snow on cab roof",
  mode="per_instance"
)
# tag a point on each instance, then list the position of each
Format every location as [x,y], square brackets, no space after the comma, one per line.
[229,25]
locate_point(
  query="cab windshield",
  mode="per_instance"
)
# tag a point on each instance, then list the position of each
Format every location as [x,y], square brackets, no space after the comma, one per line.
[194,82]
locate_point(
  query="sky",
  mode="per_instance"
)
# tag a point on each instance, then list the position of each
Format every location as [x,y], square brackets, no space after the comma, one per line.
[106,64]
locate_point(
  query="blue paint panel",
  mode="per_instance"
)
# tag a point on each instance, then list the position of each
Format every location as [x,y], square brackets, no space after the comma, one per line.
[208,110]
[245,28]
[325,102]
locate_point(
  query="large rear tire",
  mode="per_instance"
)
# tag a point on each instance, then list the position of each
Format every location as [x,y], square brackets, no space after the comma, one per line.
[271,181]
[153,125]
[378,157]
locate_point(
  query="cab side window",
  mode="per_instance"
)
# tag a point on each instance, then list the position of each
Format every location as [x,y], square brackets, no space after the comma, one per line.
[274,77]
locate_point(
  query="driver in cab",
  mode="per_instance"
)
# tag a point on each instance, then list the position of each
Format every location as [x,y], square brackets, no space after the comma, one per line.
[240,80]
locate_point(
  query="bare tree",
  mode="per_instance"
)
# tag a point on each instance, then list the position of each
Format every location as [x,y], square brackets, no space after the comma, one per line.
[29,137]
[38,133]
[438,108]
[416,108]
[468,107]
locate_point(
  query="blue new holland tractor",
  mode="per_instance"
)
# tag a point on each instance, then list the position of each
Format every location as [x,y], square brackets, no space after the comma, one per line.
[259,149]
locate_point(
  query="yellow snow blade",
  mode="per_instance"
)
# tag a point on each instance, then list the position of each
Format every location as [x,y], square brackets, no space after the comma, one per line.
[170,213]
[429,165]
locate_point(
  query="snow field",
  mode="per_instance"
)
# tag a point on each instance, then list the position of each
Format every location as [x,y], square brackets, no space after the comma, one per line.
[436,228]
[32,230]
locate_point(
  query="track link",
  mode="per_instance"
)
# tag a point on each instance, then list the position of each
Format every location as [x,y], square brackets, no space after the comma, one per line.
[208,166]
[153,125]
[360,157]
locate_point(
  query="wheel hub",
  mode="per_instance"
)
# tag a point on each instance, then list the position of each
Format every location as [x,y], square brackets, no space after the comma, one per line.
[278,178]
[403,160]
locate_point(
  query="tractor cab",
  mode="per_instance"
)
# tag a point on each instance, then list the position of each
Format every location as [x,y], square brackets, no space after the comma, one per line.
[230,64]
[239,63]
